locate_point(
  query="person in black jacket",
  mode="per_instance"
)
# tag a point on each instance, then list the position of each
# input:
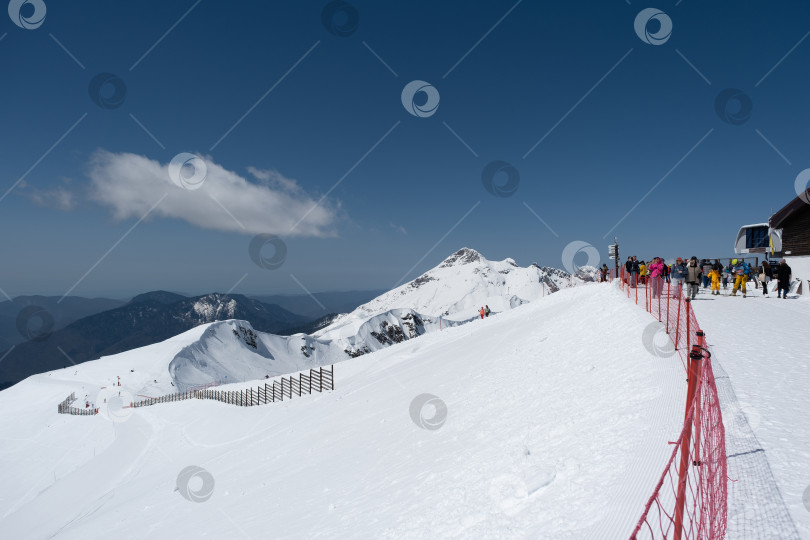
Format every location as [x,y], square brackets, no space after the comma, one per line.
[628,267]
[765,272]
[783,274]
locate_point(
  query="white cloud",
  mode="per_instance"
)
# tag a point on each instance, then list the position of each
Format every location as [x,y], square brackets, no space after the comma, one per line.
[130,184]
[58,197]
[398,228]
[275,180]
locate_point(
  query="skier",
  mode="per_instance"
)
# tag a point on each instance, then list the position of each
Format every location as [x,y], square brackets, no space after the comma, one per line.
[741,271]
[487,311]
[783,274]
[482,312]
[714,274]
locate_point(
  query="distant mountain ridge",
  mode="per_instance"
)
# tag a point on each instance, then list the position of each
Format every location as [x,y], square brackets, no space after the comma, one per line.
[149,318]
[247,337]
[448,295]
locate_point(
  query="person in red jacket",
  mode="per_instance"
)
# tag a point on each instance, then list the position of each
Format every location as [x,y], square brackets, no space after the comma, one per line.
[482,312]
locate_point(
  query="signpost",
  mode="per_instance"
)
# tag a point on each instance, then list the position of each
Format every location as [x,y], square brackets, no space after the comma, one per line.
[613,251]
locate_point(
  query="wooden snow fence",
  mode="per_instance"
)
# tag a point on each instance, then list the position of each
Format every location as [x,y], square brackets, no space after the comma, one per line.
[65,408]
[316,380]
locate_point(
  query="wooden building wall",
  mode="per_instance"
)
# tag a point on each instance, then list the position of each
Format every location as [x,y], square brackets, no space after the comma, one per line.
[796,232]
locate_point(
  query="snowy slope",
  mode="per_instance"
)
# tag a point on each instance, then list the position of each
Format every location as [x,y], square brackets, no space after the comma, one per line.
[549,433]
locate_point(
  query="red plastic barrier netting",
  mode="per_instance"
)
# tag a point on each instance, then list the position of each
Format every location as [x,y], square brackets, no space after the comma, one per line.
[690,498]
[667,303]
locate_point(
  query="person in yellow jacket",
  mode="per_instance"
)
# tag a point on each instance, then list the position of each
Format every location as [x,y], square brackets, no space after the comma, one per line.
[642,272]
[715,277]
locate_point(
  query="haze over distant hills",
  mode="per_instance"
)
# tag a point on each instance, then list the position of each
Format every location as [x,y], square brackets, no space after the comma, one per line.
[60,314]
[322,303]
[148,318]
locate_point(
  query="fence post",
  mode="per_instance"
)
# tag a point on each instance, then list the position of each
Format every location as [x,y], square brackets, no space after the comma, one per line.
[700,344]
[646,298]
[678,323]
[659,287]
[688,337]
[694,366]
[669,290]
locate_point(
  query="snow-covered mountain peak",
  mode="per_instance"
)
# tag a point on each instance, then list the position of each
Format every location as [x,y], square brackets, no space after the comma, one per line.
[215,306]
[456,289]
[462,256]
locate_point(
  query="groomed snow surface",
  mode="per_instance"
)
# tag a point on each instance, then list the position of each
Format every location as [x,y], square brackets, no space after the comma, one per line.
[550,420]
[763,344]
[556,425]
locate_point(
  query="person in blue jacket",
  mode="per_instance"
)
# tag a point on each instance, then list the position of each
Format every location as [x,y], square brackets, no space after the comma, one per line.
[741,271]
[678,274]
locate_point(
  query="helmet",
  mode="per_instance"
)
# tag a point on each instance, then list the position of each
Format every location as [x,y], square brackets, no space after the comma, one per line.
[734,261]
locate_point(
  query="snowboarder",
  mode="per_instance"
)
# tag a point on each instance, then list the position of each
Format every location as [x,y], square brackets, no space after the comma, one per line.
[783,275]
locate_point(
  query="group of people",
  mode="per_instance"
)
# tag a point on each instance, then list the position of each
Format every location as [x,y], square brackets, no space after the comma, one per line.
[654,272]
[692,273]
[484,311]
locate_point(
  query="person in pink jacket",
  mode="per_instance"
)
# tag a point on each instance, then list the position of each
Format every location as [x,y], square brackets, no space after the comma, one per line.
[656,269]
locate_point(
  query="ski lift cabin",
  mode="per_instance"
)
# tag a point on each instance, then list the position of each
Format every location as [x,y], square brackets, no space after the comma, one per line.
[757,238]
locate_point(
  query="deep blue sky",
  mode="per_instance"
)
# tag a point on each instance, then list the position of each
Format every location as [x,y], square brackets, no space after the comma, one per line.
[420,180]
